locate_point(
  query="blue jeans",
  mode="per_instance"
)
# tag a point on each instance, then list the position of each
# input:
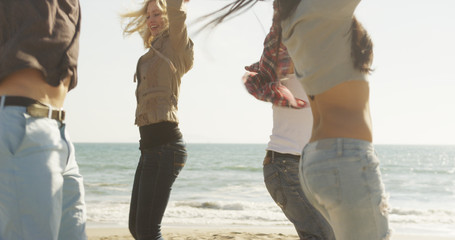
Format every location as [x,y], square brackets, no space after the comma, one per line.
[341,178]
[41,190]
[281,177]
[156,172]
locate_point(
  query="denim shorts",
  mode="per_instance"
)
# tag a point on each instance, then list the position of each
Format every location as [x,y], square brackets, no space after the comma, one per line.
[341,178]
[41,190]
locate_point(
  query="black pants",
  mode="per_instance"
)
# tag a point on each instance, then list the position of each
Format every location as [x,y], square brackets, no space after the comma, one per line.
[156,172]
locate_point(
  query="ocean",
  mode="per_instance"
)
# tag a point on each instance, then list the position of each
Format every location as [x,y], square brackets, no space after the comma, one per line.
[222,185]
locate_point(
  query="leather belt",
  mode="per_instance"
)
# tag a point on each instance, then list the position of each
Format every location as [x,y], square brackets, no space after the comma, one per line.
[273,154]
[35,108]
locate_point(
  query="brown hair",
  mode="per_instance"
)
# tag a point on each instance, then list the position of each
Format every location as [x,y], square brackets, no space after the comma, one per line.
[287,7]
[361,47]
[227,12]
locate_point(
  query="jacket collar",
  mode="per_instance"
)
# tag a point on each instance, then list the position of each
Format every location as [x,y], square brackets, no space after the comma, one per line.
[159,40]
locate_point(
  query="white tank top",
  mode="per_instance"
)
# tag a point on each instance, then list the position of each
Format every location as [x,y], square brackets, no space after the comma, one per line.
[291,127]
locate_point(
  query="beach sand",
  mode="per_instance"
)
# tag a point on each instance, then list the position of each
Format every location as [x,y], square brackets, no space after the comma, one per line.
[224,233]
[198,233]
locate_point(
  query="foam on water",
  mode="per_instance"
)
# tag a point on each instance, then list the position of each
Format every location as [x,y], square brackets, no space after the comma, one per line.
[222,184]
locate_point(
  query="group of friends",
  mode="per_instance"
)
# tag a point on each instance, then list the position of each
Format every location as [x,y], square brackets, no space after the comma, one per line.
[320,165]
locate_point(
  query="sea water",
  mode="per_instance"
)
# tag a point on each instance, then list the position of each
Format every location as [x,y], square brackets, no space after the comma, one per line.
[222,185]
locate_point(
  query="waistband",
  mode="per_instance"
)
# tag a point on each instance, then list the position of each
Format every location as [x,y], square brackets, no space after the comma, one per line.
[158,134]
[33,107]
[340,144]
[273,154]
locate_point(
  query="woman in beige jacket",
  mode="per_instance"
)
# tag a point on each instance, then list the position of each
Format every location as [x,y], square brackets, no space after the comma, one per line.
[159,71]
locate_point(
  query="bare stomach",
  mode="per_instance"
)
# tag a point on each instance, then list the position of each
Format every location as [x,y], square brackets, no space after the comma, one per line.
[30,83]
[342,112]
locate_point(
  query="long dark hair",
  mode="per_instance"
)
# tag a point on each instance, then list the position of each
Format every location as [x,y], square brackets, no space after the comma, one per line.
[361,44]
[230,10]
[287,7]
[361,47]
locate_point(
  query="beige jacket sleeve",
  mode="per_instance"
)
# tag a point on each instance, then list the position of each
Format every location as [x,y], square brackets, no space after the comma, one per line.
[178,34]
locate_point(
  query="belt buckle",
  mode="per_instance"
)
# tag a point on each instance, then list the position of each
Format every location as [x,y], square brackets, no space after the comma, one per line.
[41,110]
[57,114]
[61,115]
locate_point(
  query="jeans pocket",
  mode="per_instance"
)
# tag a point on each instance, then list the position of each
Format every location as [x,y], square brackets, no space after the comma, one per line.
[273,183]
[179,161]
[325,186]
[13,131]
[373,180]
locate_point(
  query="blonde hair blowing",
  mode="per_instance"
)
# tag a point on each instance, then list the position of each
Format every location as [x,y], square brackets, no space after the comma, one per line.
[137,21]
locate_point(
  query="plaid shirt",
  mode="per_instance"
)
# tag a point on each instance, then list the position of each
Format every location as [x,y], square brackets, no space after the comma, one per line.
[262,81]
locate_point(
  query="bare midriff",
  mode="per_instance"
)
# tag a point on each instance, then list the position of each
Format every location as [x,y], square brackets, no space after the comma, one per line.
[30,83]
[342,112]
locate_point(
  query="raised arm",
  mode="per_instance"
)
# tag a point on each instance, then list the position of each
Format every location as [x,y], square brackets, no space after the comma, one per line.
[177,28]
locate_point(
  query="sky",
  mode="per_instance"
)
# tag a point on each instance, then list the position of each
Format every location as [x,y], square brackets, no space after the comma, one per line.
[412,87]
